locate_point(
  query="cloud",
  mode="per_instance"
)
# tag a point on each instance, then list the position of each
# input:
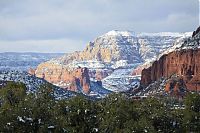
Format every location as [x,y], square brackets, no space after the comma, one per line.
[45,46]
[83,20]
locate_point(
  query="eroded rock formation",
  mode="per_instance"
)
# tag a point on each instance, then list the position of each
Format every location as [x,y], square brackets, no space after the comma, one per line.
[185,63]
[74,80]
[175,85]
[31,71]
[138,70]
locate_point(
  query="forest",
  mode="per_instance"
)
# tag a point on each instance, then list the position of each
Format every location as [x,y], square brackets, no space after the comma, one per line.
[117,113]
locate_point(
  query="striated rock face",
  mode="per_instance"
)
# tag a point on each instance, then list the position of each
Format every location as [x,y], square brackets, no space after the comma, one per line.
[185,63]
[109,47]
[74,80]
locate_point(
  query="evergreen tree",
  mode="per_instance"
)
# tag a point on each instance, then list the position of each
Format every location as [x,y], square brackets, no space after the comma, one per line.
[192,113]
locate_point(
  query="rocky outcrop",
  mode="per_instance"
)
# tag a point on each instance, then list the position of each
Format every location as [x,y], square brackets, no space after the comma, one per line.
[99,74]
[138,70]
[185,63]
[196,32]
[31,71]
[113,46]
[175,85]
[165,86]
[74,80]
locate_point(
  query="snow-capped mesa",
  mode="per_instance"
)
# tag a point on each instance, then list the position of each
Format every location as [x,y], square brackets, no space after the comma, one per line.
[112,57]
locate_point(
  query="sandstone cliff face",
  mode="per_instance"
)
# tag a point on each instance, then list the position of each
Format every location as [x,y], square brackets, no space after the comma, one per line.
[73,80]
[175,85]
[108,48]
[123,45]
[185,63]
[138,69]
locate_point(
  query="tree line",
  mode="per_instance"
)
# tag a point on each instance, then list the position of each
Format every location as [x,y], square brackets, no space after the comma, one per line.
[117,113]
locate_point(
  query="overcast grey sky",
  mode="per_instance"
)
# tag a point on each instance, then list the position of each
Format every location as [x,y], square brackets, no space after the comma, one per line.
[67,25]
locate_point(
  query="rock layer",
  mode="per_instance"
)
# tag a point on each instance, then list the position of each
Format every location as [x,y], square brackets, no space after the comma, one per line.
[185,63]
[74,80]
[175,85]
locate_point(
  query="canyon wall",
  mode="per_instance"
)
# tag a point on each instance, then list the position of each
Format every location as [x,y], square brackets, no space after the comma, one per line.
[74,80]
[185,63]
[138,69]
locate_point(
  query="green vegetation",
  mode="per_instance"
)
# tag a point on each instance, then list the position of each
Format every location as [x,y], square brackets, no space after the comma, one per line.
[21,112]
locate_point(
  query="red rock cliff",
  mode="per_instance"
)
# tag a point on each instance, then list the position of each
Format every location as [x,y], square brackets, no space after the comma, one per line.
[185,63]
[63,77]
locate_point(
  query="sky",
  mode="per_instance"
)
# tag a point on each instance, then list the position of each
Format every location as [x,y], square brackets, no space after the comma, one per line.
[63,26]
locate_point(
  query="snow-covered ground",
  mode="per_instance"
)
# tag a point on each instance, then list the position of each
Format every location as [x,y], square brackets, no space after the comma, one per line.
[121,80]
